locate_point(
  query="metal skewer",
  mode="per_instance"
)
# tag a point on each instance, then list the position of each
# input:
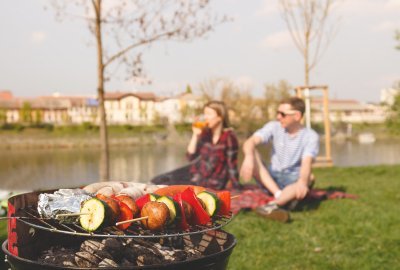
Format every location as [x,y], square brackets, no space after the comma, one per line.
[57,216]
[130,220]
[35,218]
[71,215]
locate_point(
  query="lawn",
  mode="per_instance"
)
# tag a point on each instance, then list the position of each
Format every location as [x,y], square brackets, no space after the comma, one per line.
[335,234]
[332,234]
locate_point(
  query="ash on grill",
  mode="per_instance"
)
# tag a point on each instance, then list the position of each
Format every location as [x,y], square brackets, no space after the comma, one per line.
[113,252]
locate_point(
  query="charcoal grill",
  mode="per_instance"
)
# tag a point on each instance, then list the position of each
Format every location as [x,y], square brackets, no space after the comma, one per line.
[29,234]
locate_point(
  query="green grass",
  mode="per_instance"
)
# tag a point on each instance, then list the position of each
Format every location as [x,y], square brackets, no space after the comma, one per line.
[332,234]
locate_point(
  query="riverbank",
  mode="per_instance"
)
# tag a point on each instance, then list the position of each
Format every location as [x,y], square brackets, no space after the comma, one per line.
[332,234]
[87,136]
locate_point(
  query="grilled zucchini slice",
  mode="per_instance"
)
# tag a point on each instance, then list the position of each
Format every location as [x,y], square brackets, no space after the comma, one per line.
[95,214]
[153,197]
[211,202]
[174,210]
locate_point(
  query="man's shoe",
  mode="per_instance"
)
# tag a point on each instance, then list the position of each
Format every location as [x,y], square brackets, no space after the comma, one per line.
[274,212]
[292,205]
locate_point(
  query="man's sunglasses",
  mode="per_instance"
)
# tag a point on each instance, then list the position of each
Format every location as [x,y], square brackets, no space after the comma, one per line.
[284,114]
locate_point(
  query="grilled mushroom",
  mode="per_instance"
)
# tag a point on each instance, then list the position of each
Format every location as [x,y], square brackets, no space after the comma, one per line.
[157,214]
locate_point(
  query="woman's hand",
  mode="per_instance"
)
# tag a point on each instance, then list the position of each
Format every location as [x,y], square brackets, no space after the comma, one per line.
[191,149]
[196,130]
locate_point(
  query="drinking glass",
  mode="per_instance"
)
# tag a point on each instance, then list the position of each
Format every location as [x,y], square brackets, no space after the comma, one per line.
[200,122]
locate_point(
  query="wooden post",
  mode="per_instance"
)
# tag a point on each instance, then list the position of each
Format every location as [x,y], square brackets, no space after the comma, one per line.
[327,126]
[321,161]
[298,92]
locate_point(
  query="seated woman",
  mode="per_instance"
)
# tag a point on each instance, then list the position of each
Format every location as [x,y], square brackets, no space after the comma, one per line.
[212,151]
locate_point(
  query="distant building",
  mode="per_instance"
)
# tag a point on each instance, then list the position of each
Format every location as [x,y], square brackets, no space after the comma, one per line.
[9,111]
[169,109]
[6,95]
[348,111]
[129,107]
[133,108]
[181,108]
[70,109]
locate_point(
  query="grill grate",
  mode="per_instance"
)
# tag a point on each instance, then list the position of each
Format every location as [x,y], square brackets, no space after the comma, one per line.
[133,231]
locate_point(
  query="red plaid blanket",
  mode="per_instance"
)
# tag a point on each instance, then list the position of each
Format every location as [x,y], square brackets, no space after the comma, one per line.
[252,197]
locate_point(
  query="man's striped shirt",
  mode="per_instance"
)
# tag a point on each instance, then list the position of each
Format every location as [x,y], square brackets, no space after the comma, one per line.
[288,150]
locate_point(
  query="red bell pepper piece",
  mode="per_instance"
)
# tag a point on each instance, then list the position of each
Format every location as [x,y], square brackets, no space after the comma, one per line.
[183,222]
[142,200]
[200,216]
[224,202]
[125,214]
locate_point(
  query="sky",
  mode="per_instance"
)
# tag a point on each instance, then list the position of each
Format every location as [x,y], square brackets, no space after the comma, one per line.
[40,55]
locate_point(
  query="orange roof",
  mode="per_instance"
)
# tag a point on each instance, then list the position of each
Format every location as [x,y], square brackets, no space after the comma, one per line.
[6,95]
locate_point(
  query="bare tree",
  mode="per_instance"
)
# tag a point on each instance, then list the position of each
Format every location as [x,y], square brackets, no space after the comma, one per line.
[212,88]
[124,28]
[310,27]
[273,94]
[244,109]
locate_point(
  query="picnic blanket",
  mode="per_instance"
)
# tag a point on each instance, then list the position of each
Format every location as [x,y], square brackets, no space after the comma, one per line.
[253,196]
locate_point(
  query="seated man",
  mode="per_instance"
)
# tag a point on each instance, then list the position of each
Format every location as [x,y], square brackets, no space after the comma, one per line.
[294,148]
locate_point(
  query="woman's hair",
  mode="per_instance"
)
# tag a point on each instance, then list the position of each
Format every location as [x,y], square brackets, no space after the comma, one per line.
[220,108]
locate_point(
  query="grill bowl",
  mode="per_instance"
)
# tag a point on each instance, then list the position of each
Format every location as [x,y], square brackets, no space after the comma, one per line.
[27,239]
[215,261]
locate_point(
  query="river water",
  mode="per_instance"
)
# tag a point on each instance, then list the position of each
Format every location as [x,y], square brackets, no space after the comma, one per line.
[57,168]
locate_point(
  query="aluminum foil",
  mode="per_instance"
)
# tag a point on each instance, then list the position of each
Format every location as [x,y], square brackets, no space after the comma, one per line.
[62,201]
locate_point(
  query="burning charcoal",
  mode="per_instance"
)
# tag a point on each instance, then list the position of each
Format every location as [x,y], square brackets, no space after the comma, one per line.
[144,252]
[175,242]
[91,246]
[205,242]
[148,259]
[102,254]
[130,254]
[114,247]
[108,263]
[58,256]
[69,264]
[150,246]
[180,255]
[220,236]
[126,263]
[85,259]
[192,253]
[112,243]
[140,260]
[188,241]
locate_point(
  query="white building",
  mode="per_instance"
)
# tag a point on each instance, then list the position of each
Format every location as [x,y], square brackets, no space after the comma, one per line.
[181,108]
[130,108]
[133,108]
[348,111]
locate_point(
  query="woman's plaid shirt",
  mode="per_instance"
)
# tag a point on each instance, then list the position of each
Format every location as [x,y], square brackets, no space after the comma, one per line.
[218,162]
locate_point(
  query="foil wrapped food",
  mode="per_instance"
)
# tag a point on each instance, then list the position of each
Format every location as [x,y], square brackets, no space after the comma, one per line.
[62,201]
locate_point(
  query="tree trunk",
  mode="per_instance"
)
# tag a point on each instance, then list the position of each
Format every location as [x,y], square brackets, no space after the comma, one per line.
[306,63]
[104,171]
